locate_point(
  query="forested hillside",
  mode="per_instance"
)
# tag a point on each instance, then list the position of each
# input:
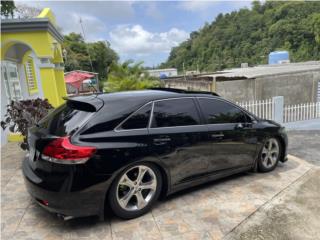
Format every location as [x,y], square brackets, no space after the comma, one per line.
[249,35]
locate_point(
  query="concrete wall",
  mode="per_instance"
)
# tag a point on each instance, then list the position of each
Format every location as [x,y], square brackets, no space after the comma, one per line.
[208,86]
[296,88]
[236,90]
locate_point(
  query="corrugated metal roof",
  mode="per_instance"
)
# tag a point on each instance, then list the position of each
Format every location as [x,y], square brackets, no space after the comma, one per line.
[266,70]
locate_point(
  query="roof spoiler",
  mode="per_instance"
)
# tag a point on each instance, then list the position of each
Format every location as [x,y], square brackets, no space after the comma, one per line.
[176,90]
[85,103]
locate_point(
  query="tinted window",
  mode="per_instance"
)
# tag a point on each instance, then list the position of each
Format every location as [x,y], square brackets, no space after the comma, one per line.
[64,120]
[216,111]
[138,120]
[176,112]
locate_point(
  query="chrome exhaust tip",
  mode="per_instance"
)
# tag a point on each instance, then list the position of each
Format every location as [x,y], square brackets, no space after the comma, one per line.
[64,217]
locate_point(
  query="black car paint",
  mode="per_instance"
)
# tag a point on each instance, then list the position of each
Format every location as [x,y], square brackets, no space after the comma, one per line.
[186,155]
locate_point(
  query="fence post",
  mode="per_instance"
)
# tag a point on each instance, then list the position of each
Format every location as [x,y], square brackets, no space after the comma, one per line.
[278,103]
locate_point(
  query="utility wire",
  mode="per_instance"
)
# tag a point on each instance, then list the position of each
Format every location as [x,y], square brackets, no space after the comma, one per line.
[84,38]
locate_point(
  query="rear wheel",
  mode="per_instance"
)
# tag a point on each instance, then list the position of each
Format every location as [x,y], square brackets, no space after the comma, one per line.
[135,190]
[270,155]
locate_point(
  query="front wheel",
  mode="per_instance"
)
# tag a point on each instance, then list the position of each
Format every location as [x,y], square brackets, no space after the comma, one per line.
[270,155]
[135,190]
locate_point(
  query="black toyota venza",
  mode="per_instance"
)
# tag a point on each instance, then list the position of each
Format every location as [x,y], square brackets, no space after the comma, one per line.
[126,149]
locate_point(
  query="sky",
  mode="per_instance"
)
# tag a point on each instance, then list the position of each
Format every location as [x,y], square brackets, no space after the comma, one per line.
[139,30]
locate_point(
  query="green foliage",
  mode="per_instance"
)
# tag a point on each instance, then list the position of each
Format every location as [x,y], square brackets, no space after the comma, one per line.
[249,35]
[129,76]
[7,8]
[77,55]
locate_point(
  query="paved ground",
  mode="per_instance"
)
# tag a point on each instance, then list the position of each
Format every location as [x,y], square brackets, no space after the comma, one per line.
[293,214]
[306,145]
[247,206]
[313,124]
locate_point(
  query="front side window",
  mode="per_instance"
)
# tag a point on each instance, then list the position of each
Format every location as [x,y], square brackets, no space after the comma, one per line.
[175,112]
[216,111]
[139,119]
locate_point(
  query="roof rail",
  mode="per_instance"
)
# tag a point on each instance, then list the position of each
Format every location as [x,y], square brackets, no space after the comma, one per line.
[176,90]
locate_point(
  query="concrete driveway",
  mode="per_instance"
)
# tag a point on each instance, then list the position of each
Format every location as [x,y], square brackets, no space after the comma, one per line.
[211,211]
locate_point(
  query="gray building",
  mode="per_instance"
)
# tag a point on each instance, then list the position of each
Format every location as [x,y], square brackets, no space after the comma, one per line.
[297,82]
[163,73]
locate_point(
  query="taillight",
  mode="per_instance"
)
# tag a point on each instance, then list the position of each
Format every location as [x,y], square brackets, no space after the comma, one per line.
[62,151]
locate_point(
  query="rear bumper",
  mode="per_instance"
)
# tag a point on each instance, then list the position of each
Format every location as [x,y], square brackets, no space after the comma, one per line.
[87,202]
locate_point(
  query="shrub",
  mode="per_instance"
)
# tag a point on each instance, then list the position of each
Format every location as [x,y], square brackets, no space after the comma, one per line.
[129,76]
[24,114]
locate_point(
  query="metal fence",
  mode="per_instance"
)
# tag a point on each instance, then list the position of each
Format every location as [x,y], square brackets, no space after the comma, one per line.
[275,110]
[300,112]
[261,108]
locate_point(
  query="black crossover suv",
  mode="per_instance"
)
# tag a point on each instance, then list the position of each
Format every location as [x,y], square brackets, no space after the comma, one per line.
[124,150]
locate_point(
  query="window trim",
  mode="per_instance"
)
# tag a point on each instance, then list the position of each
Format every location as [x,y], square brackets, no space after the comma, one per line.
[151,116]
[118,127]
[197,105]
[253,118]
[176,98]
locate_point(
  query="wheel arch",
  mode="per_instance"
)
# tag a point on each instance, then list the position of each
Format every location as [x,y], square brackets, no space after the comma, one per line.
[165,189]
[283,145]
[282,142]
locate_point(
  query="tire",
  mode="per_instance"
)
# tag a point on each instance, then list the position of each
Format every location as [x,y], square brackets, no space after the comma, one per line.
[269,155]
[135,190]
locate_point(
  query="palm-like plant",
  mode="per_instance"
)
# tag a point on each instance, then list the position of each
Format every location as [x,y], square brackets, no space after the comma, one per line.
[129,76]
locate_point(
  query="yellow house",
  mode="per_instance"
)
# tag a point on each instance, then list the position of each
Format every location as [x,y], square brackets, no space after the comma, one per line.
[31,62]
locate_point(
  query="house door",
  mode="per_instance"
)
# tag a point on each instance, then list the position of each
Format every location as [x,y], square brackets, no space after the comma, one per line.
[11,80]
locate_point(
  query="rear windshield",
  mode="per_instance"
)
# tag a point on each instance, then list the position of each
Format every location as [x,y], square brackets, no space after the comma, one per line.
[64,120]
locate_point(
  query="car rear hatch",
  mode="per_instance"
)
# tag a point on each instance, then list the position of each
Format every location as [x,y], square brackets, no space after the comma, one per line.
[61,123]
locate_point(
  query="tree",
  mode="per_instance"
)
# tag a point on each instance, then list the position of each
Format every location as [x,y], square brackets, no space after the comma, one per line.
[25,11]
[7,8]
[129,76]
[77,55]
[102,57]
[249,35]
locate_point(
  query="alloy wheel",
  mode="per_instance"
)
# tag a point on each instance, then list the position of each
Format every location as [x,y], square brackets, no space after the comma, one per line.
[136,188]
[270,153]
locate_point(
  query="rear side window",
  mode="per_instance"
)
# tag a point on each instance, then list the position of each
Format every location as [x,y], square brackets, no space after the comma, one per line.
[175,112]
[216,111]
[139,119]
[64,120]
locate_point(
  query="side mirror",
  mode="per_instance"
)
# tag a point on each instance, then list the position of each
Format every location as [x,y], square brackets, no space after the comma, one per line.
[239,126]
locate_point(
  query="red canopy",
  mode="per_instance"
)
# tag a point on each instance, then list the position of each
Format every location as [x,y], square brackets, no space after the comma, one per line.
[76,78]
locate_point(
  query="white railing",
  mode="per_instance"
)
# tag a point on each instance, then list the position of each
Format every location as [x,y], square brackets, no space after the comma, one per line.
[261,108]
[300,112]
[275,110]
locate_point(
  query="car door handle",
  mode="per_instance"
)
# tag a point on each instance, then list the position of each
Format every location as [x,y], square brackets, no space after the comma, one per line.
[217,135]
[161,140]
